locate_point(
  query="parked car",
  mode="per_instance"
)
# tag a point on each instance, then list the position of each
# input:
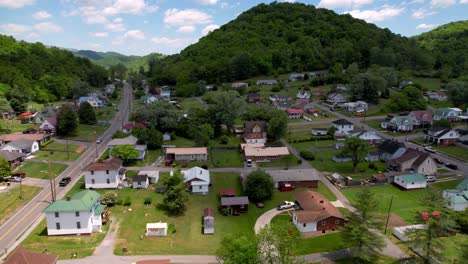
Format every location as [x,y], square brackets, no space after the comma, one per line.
[168,162]
[98,141]
[438,161]
[19,174]
[13,179]
[260,205]
[249,163]
[429,149]
[431,178]
[451,166]
[285,205]
[65,181]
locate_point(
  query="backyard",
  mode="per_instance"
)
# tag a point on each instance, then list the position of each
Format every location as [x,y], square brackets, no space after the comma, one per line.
[89,133]
[13,126]
[11,201]
[60,152]
[39,170]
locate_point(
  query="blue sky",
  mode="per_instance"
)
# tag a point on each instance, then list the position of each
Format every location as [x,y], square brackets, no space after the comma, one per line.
[138,27]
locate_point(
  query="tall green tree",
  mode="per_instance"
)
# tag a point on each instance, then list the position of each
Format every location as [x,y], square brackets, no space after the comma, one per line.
[458,93]
[278,125]
[237,250]
[259,186]
[366,86]
[124,152]
[67,120]
[175,194]
[154,138]
[86,114]
[5,169]
[355,148]
[202,134]
[226,109]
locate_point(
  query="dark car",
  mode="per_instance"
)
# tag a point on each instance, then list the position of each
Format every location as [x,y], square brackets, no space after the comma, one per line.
[438,161]
[451,166]
[64,181]
[168,162]
[19,174]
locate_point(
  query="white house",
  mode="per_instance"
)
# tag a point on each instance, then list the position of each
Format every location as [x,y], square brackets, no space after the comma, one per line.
[336,98]
[451,114]
[343,126]
[140,182]
[303,94]
[48,125]
[457,198]
[319,131]
[370,136]
[197,179]
[165,91]
[75,215]
[438,95]
[22,145]
[239,85]
[255,132]
[355,106]
[105,174]
[411,181]
[156,229]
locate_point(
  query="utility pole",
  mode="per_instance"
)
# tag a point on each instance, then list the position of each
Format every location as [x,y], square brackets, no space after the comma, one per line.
[68,153]
[388,214]
[20,190]
[52,189]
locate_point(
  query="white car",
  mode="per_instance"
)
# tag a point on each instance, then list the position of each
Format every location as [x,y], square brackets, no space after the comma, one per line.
[285,205]
[431,178]
[430,149]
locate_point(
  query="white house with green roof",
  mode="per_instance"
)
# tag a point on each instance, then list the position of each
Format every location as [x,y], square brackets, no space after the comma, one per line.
[457,199]
[75,215]
[411,181]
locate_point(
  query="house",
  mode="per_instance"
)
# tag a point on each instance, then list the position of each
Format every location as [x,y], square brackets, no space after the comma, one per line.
[358,106]
[239,85]
[167,136]
[140,181]
[451,114]
[44,113]
[255,132]
[15,159]
[208,221]
[405,83]
[22,145]
[266,82]
[438,95]
[39,137]
[253,98]
[262,153]
[187,154]
[153,175]
[197,179]
[316,213]
[127,128]
[410,181]
[399,124]
[421,118]
[8,114]
[283,106]
[318,74]
[342,126]
[370,136]
[296,77]
[109,89]
[149,99]
[156,229]
[23,256]
[442,136]
[390,149]
[235,205]
[93,100]
[302,178]
[163,91]
[319,131]
[336,98]
[341,88]
[279,97]
[413,161]
[130,140]
[303,94]
[457,199]
[79,214]
[294,113]
[104,174]
[48,125]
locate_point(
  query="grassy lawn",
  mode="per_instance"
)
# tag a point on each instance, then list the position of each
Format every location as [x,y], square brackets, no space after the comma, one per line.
[226,159]
[180,142]
[285,162]
[13,126]
[150,157]
[232,142]
[454,151]
[86,133]
[105,113]
[308,145]
[190,103]
[452,247]
[40,169]
[431,84]
[405,203]
[11,201]
[58,152]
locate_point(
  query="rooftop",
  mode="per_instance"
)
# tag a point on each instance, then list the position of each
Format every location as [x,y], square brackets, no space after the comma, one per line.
[187,151]
[315,207]
[110,164]
[82,201]
[237,200]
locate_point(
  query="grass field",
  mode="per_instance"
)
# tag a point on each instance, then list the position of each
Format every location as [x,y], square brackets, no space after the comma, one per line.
[87,133]
[308,145]
[431,84]
[58,152]
[405,203]
[105,113]
[284,162]
[13,126]
[40,169]
[150,157]
[11,201]
[180,142]
[226,159]
[454,151]
[190,103]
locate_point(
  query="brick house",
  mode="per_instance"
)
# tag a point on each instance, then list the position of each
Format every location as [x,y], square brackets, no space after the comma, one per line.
[442,136]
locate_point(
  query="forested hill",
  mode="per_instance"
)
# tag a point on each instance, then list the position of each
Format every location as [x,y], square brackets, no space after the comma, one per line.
[449,44]
[284,37]
[108,59]
[33,71]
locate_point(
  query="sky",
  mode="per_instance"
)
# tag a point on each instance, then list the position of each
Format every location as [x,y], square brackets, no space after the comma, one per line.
[139,27]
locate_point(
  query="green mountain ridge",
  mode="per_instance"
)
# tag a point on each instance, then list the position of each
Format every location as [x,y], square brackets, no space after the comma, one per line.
[112,58]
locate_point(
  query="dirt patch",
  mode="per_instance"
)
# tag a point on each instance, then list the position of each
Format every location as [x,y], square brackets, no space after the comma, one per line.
[80,149]
[318,233]
[395,221]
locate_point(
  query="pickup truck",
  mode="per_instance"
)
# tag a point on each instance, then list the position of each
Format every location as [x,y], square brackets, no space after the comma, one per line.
[65,181]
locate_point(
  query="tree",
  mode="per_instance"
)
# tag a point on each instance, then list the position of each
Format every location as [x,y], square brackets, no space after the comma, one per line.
[226,109]
[67,120]
[458,93]
[331,131]
[443,122]
[202,134]
[237,250]
[356,148]
[124,152]
[366,86]
[259,186]
[86,114]
[360,228]
[109,198]
[5,169]
[278,125]
[154,138]
[175,194]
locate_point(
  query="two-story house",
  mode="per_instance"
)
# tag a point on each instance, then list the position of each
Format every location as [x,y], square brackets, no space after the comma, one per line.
[421,118]
[255,132]
[442,136]
[413,161]
[79,214]
[399,124]
[303,94]
[451,114]
[294,113]
[104,174]
[342,126]
[197,180]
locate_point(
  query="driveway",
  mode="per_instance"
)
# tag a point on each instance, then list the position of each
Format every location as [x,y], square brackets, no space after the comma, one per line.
[265,218]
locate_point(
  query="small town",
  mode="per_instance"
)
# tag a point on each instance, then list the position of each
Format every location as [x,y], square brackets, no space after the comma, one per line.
[290,134]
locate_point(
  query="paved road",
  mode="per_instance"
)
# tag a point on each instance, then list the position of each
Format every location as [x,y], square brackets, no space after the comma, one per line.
[21,222]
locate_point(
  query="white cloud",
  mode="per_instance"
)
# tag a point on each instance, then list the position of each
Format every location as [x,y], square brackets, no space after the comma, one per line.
[186,29]
[95,45]
[41,15]
[134,34]
[208,29]
[422,13]
[172,42]
[115,26]
[186,17]
[135,7]
[426,26]
[15,3]
[343,3]
[100,34]
[376,15]
[463,1]
[48,27]
[206,2]
[21,30]
[33,36]
[442,3]
[14,29]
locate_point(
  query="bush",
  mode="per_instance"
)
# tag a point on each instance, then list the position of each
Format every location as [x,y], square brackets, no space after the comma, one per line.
[127,201]
[110,198]
[224,140]
[147,201]
[308,155]
[275,89]
[372,166]
[119,201]
[43,145]
[171,229]
[224,211]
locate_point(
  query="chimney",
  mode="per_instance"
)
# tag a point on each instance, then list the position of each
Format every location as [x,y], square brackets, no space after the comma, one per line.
[68,198]
[321,201]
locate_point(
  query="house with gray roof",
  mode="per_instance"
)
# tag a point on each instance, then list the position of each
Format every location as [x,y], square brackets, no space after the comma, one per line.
[399,124]
[130,140]
[21,145]
[266,82]
[442,136]
[457,199]
[14,158]
[390,149]
[79,214]
[45,113]
[451,114]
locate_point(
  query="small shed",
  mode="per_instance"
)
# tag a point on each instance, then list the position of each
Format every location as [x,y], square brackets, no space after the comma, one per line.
[379,178]
[140,182]
[227,193]
[166,136]
[156,229]
[285,187]
[153,175]
[236,205]
[208,221]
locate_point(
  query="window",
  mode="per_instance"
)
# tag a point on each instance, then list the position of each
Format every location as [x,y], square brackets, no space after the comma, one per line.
[200,187]
[304,225]
[57,214]
[78,225]
[77,214]
[412,183]
[92,181]
[107,171]
[57,226]
[337,222]
[108,181]
[92,172]
[324,222]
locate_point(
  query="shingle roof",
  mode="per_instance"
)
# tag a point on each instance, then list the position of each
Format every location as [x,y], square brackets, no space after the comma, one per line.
[416,177]
[140,178]
[421,159]
[130,140]
[408,155]
[110,164]
[10,156]
[238,200]
[21,143]
[187,151]
[342,122]
[22,256]
[390,146]
[249,125]
[82,201]
[11,137]
[315,207]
